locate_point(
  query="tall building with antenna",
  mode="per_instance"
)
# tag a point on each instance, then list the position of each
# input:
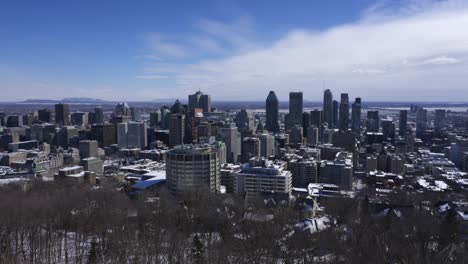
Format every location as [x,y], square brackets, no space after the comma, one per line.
[199,100]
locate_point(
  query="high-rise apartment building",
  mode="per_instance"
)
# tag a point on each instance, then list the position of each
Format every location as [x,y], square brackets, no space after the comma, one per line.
[193,167]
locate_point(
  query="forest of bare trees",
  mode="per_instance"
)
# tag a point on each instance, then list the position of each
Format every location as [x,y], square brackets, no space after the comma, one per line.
[60,223]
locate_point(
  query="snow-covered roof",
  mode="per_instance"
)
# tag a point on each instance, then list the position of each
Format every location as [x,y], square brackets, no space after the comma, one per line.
[463,215]
[156,174]
[11,180]
[71,168]
[313,225]
[444,207]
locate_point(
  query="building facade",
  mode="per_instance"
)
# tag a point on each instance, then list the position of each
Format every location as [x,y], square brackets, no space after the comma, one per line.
[192,167]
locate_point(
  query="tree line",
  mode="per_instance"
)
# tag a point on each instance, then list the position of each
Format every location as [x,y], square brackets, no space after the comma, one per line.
[56,222]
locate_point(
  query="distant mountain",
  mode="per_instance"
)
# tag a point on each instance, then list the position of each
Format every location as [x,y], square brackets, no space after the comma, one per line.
[39,101]
[82,100]
[170,100]
[69,100]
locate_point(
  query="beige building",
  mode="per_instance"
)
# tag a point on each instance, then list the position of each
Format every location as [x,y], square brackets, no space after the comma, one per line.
[190,167]
[270,178]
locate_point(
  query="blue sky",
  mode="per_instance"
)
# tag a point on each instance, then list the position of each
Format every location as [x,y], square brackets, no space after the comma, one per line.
[145,50]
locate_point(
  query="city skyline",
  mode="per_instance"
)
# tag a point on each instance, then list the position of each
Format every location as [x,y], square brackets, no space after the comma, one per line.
[383,50]
[245,174]
[234,131]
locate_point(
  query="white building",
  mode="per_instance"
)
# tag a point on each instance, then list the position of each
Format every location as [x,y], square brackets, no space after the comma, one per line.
[271,178]
[231,136]
[267,145]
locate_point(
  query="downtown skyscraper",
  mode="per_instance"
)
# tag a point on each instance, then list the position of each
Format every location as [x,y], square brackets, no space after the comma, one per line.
[271,107]
[98,115]
[295,109]
[199,100]
[421,121]
[62,112]
[439,120]
[344,112]
[232,138]
[403,122]
[373,121]
[316,117]
[336,107]
[356,116]
[176,129]
[328,107]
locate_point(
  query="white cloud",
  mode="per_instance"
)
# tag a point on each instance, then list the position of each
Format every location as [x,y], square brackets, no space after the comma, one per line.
[376,57]
[237,34]
[442,60]
[208,44]
[150,57]
[152,77]
[162,46]
[367,71]
[210,38]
